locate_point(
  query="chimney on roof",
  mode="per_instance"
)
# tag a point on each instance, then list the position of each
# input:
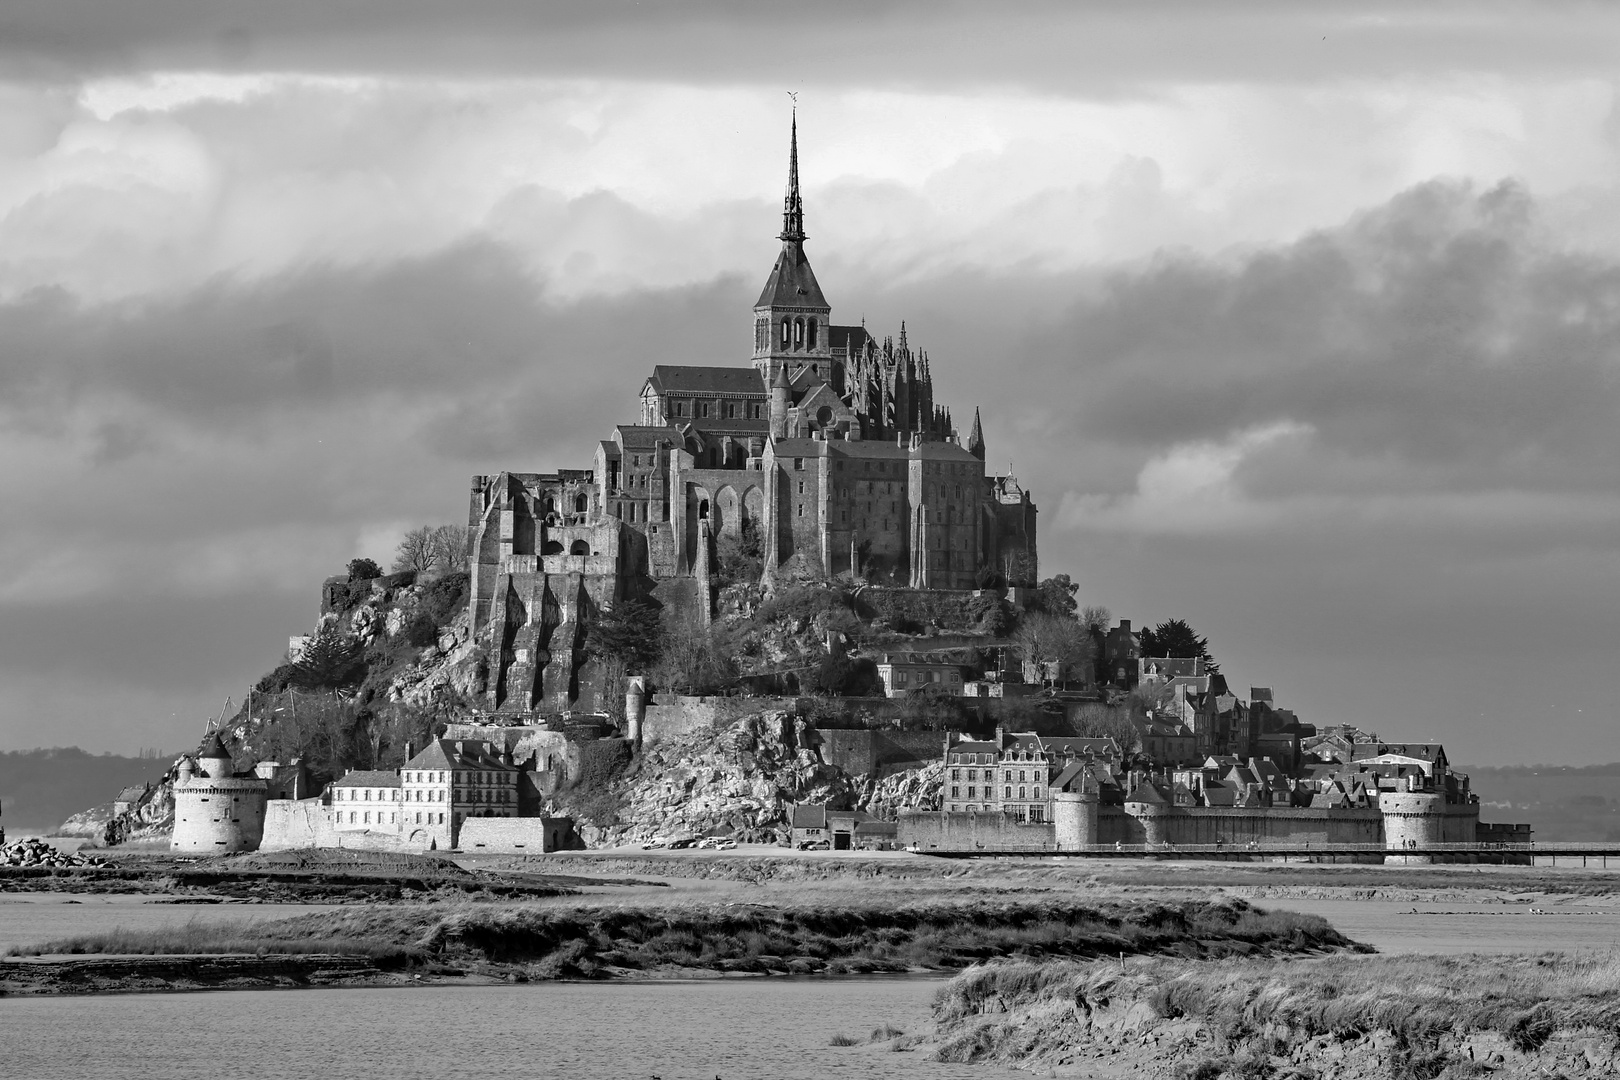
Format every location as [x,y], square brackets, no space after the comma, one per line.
[408,754]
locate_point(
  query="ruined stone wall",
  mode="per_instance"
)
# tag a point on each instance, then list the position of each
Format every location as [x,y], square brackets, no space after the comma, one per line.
[882,753]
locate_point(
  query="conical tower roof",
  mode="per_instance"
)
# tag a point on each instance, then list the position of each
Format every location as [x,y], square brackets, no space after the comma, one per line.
[212,747]
[792,283]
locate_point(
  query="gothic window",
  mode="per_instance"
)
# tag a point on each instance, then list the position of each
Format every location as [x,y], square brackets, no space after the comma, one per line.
[812,338]
[787,331]
[798,333]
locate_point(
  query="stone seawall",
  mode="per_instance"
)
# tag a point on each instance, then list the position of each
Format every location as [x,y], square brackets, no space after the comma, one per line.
[995,831]
[304,823]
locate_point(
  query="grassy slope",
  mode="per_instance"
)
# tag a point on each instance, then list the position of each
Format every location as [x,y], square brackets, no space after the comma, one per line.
[1428,1009]
[575,941]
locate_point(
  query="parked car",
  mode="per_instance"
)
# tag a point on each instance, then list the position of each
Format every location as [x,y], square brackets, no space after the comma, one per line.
[724,844]
[814,845]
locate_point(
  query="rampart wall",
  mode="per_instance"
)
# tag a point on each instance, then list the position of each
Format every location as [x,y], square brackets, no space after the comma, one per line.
[516,835]
[306,823]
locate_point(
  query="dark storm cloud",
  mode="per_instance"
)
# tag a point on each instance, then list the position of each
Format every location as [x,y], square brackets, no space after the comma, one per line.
[1437,340]
[1057,46]
[221,452]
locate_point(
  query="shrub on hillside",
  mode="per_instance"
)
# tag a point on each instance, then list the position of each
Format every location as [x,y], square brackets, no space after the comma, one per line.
[801,603]
[444,599]
[363,570]
[844,676]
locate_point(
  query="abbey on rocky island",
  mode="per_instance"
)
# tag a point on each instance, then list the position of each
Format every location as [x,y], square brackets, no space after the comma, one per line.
[827,454]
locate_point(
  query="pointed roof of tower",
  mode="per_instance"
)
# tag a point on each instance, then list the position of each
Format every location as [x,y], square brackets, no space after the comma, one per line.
[792,203]
[792,283]
[975,443]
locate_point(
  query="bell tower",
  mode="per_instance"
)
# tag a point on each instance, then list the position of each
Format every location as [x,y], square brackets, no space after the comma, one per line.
[791,317]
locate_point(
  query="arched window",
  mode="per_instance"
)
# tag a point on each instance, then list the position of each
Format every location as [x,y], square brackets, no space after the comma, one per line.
[787,332]
[582,502]
[580,547]
[811,340]
[547,506]
[798,333]
[703,509]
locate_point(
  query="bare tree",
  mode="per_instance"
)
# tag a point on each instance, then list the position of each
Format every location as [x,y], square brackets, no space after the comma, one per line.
[1042,638]
[1096,618]
[432,547]
[415,551]
[449,547]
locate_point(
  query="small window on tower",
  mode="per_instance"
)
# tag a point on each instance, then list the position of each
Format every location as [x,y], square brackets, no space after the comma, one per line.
[812,341]
[787,331]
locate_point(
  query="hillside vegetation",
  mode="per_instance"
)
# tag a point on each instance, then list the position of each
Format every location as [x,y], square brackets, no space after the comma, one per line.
[1405,1016]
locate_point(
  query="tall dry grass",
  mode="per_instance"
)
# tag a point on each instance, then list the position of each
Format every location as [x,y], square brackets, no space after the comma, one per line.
[1415,998]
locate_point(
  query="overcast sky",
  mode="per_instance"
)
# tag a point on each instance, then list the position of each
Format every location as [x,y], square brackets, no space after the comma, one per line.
[1301,321]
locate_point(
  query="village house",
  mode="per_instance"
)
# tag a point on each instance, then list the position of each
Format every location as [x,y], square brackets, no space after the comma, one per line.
[903,676]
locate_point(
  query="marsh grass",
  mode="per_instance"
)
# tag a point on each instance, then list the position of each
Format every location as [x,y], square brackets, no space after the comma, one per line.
[1417,999]
[843,1040]
[555,941]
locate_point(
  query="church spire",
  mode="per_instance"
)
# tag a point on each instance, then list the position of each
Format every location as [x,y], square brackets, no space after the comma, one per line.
[975,444]
[792,204]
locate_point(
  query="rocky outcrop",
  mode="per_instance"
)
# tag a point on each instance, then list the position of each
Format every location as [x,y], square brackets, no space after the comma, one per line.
[745,775]
[39,853]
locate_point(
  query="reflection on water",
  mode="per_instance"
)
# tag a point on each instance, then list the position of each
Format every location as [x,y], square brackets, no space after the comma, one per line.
[32,918]
[738,1029]
[1460,926]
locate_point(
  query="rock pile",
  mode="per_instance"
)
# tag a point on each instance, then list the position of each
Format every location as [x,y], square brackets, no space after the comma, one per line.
[33,852]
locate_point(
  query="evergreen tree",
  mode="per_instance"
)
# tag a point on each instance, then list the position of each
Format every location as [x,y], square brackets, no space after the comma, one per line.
[329,661]
[628,631]
[1174,638]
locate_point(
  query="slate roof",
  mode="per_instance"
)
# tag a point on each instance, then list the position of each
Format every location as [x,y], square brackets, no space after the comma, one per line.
[368,778]
[685,379]
[1260,693]
[792,284]
[809,816]
[212,747]
[851,338]
[442,754]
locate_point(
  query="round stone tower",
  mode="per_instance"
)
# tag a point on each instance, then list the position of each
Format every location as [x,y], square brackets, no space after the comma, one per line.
[1154,818]
[216,812]
[1074,818]
[635,707]
[1413,818]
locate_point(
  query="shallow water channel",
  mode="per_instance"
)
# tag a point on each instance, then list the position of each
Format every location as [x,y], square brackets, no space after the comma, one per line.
[733,1028]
